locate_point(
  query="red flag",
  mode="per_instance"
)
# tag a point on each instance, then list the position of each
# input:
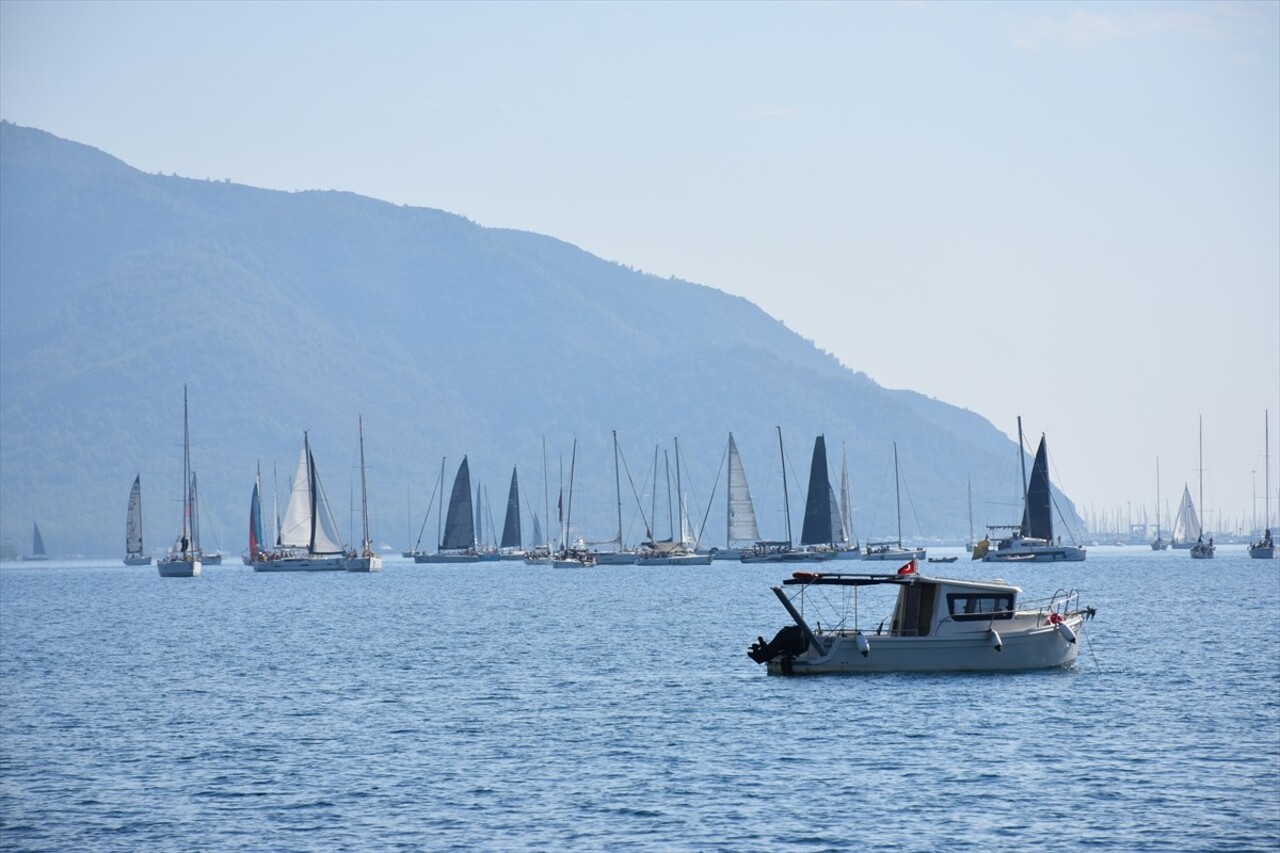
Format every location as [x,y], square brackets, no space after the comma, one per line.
[908,569]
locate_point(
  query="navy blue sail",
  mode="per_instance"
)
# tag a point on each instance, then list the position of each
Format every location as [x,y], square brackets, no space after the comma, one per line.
[817,508]
[511,525]
[459,526]
[1037,517]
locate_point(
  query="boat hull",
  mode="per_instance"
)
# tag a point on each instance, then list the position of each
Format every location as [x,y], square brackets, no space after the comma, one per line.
[1262,552]
[1047,554]
[436,559]
[1044,647]
[178,568]
[676,560]
[302,564]
[365,564]
[896,555]
[137,561]
[615,558]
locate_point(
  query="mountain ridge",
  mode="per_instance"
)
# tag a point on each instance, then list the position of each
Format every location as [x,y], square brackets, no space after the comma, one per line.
[287,311]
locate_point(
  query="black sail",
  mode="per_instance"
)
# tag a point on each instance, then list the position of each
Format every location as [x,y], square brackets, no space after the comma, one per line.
[1037,517]
[511,525]
[459,526]
[817,507]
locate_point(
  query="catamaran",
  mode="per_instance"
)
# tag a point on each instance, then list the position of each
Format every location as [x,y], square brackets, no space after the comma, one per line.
[932,625]
[133,552]
[308,538]
[182,560]
[1032,540]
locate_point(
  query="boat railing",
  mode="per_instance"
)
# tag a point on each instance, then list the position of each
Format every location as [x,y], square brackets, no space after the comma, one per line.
[1061,604]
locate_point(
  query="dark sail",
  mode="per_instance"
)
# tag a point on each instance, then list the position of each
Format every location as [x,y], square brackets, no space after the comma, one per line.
[459,526]
[817,507]
[1037,518]
[511,526]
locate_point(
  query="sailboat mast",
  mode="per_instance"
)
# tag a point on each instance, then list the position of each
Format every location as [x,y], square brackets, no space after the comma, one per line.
[970,488]
[786,501]
[617,486]
[364,499]
[679,491]
[1157,497]
[1022,458]
[546,495]
[1201,486]
[728,493]
[897,497]
[311,489]
[568,513]
[671,525]
[186,475]
[440,510]
[1266,495]
[846,531]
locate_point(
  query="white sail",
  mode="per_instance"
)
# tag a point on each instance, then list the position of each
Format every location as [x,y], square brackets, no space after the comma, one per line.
[133,523]
[1186,527]
[742,514]
[295,526]
[327,538]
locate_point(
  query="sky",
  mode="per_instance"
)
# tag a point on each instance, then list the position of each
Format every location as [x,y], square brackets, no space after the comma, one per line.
[1064,211]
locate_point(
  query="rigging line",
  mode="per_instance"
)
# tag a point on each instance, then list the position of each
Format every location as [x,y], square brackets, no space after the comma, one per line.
[639,506]
[693,494]
[427,515]
[910,501]
[715,485]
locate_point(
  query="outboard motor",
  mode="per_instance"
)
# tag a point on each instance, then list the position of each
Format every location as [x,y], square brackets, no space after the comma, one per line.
[788,641]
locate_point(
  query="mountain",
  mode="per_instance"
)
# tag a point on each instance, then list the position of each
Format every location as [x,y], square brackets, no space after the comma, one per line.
[286,312]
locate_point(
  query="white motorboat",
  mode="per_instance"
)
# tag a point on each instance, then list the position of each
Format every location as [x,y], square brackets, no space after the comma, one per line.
[933,625]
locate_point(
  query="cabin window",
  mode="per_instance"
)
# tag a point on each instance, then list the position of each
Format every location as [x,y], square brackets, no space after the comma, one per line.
[969,606]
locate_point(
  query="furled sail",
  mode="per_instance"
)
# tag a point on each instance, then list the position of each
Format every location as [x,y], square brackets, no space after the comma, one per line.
[1037,516]
[459,526]
[537,531]
[195,514]
[742,514]
[133,523]
[817,508]
[511,525]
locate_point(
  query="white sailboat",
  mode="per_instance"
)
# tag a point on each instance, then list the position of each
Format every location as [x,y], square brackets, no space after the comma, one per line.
[741,530]
[133,552]
[620,555]
[679,549]
[308,538]
[1159,544]
[1202,550]
[368,559]
[207,558]
[894,550]
[766,551]
[575,556]
[182,560]
[1265,548]
[1186,524]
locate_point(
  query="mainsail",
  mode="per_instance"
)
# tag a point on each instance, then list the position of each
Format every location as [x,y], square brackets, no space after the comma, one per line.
[37,541]
[742,515]
[537,531]
[133,522]
[818,512]
[1037,516]
[459,526]
[511,525]
[837,524]
[1186,527]
[308,522]
[255,524]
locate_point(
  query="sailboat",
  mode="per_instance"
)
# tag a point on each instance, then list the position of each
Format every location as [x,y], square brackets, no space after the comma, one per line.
[511,546]
[969,543]
[848,540]
[37,554]
[1186,524]
[766,551]
[1032,540]
[571,557]
[620,555]
[893,550]
[458,540]
[367,560]
[208,558]
[1202,550]
[1159,544]
[1265,548]
[308,539]
[257,541]
[822,534]
[678,550]
[133,554]
[741,531]
[182,560]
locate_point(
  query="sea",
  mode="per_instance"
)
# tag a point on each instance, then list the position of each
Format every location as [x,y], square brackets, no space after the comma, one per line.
[499,707]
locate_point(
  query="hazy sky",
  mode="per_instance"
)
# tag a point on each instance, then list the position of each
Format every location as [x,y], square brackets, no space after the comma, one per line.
[1065,211]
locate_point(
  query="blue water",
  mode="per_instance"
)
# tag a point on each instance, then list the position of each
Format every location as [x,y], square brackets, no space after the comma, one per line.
[503,707]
